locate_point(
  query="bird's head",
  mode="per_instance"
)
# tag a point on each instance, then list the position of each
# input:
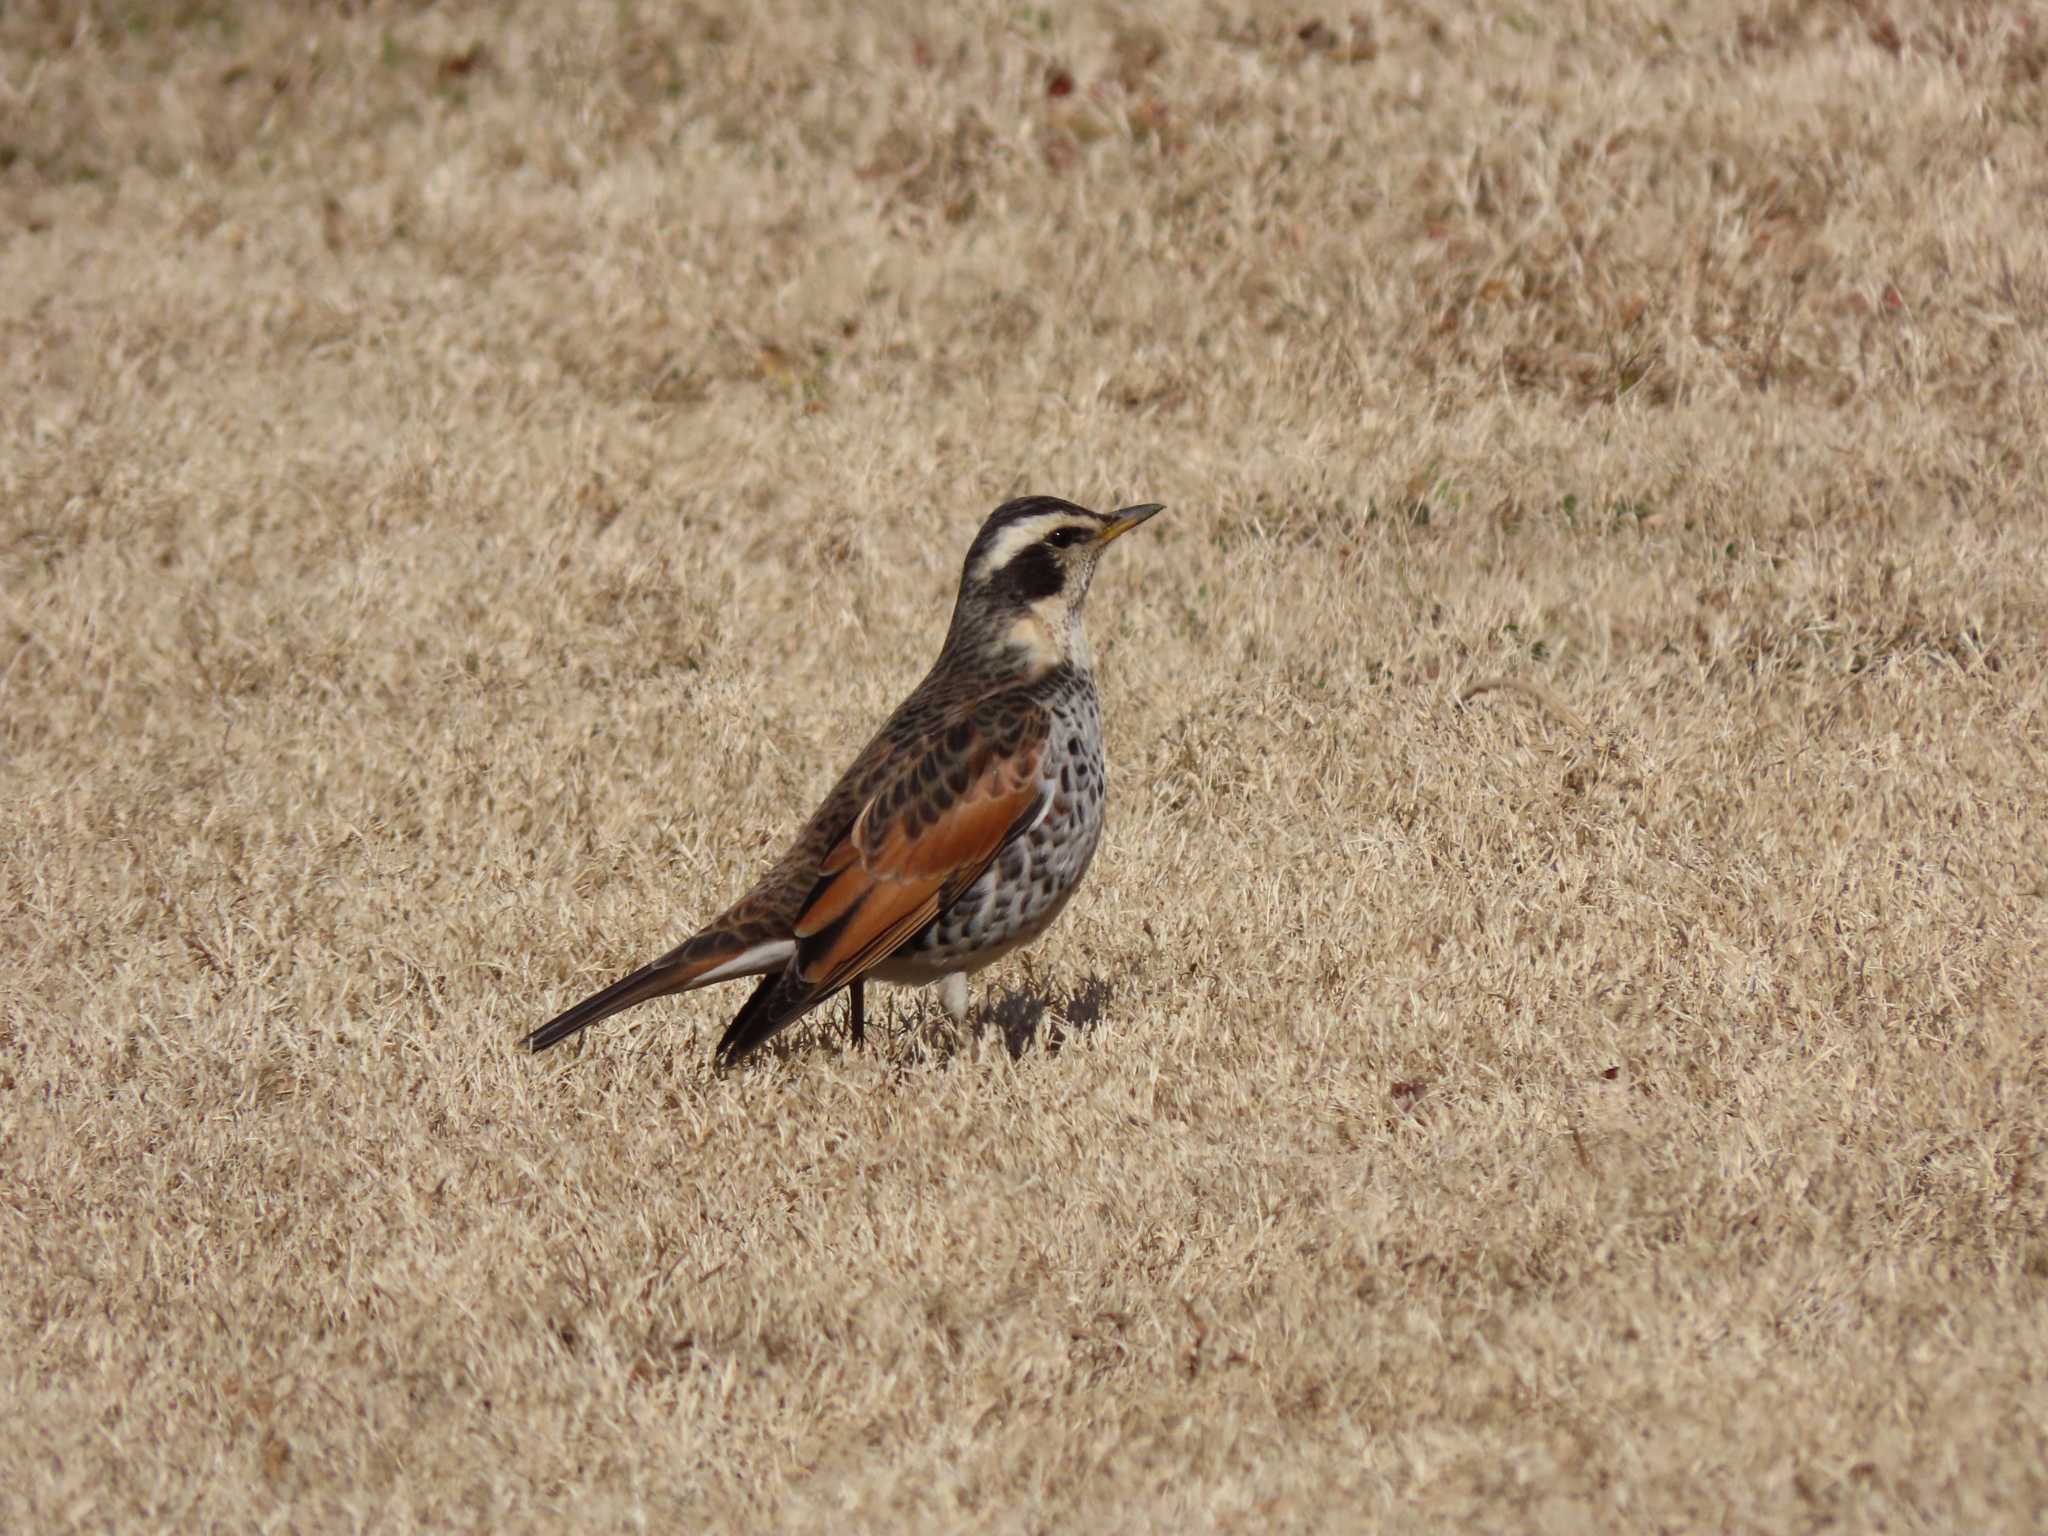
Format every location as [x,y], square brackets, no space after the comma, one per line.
[1027,574]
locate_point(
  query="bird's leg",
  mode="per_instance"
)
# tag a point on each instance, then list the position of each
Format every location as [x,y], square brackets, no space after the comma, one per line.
[857,1014]
[953,993]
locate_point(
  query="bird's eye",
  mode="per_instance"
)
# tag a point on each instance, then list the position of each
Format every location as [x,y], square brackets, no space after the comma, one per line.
[1065,538]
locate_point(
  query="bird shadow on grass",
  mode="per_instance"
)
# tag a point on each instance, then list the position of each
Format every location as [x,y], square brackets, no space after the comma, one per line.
[1021,1017]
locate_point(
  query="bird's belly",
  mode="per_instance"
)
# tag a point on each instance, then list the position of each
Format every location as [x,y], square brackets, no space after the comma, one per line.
[1019,895]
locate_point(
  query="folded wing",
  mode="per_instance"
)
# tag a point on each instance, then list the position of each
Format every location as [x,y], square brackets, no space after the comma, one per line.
[923,838]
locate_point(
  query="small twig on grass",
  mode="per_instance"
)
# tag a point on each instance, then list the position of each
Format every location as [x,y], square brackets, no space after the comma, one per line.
[1540,695]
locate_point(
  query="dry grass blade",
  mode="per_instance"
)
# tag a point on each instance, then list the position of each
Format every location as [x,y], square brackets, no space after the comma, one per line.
[1558,709]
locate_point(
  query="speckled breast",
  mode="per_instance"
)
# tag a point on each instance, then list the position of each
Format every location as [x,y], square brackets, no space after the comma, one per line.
[1020,894]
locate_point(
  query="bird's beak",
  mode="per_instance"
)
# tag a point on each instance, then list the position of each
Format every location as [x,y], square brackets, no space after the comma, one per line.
[1125,521]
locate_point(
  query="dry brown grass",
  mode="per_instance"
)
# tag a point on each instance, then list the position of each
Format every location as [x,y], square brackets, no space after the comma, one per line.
[469,478]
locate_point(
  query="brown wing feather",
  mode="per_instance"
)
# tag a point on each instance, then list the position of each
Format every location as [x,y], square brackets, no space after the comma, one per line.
[891,873]
[896,841]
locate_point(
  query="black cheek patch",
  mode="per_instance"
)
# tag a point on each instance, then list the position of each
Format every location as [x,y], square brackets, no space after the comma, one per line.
[1035,573]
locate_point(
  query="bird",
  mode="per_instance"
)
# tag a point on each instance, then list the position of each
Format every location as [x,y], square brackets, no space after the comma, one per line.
[960,831]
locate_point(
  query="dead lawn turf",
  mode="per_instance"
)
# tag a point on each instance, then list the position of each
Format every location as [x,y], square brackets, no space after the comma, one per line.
[469,476]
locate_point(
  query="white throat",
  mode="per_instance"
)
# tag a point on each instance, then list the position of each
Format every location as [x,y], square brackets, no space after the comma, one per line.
[1049,634]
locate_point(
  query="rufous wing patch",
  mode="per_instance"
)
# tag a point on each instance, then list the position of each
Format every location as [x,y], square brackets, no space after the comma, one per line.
[890,875]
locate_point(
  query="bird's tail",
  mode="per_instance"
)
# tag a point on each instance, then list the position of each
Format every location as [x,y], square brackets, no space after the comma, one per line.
[705,959]
[778,1002]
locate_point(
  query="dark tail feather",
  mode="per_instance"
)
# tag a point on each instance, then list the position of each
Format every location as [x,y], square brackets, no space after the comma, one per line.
[782,998]
[655,980]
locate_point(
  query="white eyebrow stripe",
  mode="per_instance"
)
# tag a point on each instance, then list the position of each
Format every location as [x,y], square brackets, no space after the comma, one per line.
[1013,539]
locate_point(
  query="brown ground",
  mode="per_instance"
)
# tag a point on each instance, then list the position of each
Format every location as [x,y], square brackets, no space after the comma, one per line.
[469,479]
